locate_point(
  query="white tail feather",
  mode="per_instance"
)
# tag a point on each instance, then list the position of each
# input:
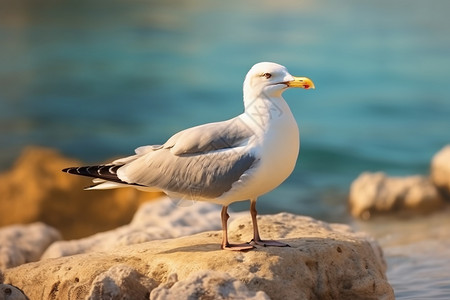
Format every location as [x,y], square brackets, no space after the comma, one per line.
[106,185]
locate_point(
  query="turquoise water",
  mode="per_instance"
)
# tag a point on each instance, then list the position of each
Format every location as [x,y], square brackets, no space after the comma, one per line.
[417,254]
[97,79]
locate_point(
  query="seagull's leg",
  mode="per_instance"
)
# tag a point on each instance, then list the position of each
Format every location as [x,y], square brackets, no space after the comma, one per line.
[256,238]
[225,244]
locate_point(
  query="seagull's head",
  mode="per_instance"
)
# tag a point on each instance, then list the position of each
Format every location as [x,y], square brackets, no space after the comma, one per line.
[271,79]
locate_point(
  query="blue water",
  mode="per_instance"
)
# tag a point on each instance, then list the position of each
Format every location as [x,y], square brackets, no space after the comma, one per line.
[96,79]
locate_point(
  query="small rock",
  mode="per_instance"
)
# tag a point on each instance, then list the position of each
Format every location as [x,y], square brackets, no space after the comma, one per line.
[121,282]
[156,220]
[375,193]
[206,285]
[10,292]
[440,170]
[178,220]
[20,244]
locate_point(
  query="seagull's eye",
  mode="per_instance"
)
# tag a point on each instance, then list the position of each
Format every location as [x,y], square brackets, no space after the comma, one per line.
[267,75]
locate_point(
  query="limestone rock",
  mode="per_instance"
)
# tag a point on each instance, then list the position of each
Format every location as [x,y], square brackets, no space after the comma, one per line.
[10,292]
[325,261]
[121,282]
[36,183]
[20,244]
[440,170]
[160,219]
[216,285]
[375,193]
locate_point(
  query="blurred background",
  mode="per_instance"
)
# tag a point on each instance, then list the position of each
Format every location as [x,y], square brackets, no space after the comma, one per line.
[96,79]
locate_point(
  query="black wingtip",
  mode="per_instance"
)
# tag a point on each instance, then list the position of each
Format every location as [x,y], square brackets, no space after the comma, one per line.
[105,172]
[67,170]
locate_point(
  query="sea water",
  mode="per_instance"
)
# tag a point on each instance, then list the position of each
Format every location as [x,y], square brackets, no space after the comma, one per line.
[96,79]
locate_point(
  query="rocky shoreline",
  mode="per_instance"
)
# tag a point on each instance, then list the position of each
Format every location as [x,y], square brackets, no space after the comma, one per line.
[159,250]
[325,261]
[375,194]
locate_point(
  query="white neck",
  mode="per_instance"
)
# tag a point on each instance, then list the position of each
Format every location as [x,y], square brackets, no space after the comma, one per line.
[263,110]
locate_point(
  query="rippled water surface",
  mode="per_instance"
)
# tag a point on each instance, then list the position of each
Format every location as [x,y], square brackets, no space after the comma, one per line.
[417,251]
[97,79]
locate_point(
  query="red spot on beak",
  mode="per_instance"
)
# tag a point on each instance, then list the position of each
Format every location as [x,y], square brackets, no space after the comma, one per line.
[306,86]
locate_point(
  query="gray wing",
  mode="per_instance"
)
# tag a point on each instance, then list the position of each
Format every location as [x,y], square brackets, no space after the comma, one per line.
[209,137]
[200,162]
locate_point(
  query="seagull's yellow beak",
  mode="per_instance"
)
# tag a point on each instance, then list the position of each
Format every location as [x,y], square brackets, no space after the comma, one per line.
[301,82]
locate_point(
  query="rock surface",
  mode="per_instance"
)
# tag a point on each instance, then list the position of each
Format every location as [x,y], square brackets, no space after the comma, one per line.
[156,220]
[58,199]
[121,280]
[325,261]
[440,170]
[215,285]
[21,244]
[376,193]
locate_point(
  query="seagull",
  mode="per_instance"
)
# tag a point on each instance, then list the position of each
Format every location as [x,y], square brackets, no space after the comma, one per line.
[223,162]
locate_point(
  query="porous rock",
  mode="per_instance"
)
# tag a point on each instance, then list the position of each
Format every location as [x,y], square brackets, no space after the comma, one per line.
[216,285]
[36,183]
[375,193]
[156,220]
[325,261]
[20,244]
[118,281]
[440,170]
